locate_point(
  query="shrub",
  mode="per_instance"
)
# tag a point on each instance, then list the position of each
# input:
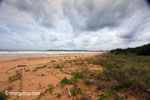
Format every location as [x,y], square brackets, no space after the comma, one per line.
[50,89]
[141,50]
[65,81]
[122,71]
[77,75]
[3,96]
[73,92]
[102,97]
[136,80]
[87,81]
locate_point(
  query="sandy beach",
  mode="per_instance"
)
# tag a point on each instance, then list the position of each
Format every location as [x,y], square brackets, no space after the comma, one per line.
[34,77]
[74,50]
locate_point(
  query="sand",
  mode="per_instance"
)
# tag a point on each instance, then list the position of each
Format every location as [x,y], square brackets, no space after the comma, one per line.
[38,81]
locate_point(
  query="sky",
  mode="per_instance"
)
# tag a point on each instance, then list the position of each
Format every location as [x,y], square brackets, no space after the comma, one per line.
[74,24]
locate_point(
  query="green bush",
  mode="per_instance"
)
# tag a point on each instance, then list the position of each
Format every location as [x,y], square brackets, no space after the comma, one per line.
[3,96]
[122,72]
[136,80]
[77,74]
[50,88]
[65,81]
[87,81]
[141,50]
[73,92]
[102,97]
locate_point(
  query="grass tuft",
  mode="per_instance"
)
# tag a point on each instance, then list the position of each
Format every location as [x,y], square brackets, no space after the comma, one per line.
[3,96]
[37,68]
[65,81]
[18,76]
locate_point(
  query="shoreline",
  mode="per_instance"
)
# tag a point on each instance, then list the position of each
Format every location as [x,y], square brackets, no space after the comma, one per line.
[10,57]
[54,76]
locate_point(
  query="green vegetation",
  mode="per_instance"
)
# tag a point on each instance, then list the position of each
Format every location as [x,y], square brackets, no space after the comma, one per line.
[102,97]
[50,89]
[87,81]
[57,66]
[65,81]
[124,71]
[73,92]
[3,96]
[63,71]
[142,50]
[76,90]
[77,74]
[83,75]
[21,86]
[37,68]
[18,76]
[111,60]
[78,61]
[133,73]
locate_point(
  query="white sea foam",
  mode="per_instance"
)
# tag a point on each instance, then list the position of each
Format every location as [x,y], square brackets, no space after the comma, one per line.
[37,52]
[18,55]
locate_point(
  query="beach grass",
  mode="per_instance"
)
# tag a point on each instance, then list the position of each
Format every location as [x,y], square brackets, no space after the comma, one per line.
[65,81]
[18,76]
[3,96]
[38,68]
[123,72]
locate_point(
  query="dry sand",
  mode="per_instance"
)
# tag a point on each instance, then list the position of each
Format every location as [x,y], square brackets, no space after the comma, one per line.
[39,80]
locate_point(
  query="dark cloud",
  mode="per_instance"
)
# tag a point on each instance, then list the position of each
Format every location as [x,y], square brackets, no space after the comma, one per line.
[43,12]
[1,1]
[73,24]
[128,36]
[148,2]
[135,28]
[94,15]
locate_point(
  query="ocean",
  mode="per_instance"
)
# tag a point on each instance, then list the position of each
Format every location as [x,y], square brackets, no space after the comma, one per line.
[27,52]
[7,55]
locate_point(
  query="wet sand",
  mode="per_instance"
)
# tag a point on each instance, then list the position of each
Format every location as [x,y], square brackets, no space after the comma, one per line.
[38,81]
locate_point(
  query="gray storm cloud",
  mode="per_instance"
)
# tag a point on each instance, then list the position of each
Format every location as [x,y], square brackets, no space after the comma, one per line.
[73,24]
[43,12]
[93,15]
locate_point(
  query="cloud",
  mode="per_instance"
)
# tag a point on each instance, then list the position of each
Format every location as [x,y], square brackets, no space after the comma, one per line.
[1,1]
[73,24]
[87,15]
[148,2]
[45,13]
